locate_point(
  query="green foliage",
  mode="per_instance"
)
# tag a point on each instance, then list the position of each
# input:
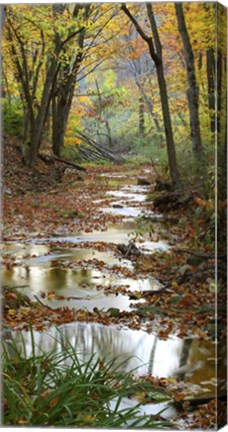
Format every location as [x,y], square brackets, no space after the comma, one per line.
[151,196]
[65,213]
[70,152]
[58,389]
[147,148]
[13,119]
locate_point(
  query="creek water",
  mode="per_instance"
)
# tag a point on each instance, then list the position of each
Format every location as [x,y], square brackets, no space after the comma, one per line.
[54,264]
[135,351]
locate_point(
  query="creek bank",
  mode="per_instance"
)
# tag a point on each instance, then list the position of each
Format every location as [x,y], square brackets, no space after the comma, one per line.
[91,279]
[91,282]
[154,360]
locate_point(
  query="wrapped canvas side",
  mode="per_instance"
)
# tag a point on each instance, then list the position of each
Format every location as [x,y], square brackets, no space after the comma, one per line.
[221,225]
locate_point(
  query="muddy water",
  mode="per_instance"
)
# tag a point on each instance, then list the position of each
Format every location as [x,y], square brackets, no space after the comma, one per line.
[39,270]
[82,289]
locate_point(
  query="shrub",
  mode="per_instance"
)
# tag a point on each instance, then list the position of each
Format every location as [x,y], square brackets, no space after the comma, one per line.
[13,119]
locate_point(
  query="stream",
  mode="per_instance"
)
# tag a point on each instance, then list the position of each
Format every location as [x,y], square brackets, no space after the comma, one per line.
[81,276]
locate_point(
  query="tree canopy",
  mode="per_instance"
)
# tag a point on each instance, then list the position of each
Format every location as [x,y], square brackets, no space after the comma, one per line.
[127,76]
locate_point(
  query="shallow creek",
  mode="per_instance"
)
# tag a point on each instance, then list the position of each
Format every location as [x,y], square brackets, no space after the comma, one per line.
[135,350]
[47,265]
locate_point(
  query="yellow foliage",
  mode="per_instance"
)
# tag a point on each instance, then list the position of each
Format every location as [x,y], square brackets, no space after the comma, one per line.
[203,204]
[12,312]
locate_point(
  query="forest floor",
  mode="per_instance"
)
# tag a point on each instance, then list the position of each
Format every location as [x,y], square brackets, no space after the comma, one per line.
[47,207]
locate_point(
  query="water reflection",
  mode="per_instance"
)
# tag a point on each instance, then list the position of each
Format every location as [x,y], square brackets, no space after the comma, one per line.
[142,352]
[129,212]
[37,254]
[20,250]
[124,193]
[87,286]
[116,233]
[130,346]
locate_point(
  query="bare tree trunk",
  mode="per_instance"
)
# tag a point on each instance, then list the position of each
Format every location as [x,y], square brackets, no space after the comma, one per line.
[167,124]
[193,91]
[155,50]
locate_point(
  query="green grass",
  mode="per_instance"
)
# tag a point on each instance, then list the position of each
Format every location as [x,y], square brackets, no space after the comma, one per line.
[64,213]
[152,195]
[56,389]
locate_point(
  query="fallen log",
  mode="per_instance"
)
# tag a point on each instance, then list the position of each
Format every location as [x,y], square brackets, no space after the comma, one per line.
[65,161]
[48,160]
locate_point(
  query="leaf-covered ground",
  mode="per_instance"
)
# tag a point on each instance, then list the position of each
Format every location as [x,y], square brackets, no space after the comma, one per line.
[185,305]
[45,204]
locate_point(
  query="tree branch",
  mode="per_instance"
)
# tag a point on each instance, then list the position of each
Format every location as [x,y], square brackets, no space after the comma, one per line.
[143,35]
[136,24]
[154,29]
[71,36]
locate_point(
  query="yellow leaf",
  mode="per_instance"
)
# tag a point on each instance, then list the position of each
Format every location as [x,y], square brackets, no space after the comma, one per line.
[12,312]
[174,285]
[54,402]
[22,422]
[85,418]
[25,310]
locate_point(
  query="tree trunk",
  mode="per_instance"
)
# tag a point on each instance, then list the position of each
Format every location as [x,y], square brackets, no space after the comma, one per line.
[141,117]
[171,151]
[193,91]
[219,88]
[66,91]
[155,50]
[62,111]
[157,57]
[2,17]
[211,86]
[39,122]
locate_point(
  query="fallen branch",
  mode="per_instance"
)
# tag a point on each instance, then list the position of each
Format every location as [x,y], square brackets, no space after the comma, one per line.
[101,150]
[155,169]
[46,159]
[50,160]
[129,249]
[200,255]
[197,254]
[41,303]
[198,401]
[150,292]
[65,161]
[7,287]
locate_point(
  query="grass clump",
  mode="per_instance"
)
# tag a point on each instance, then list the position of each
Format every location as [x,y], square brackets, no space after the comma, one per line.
[64,213]
[58,389]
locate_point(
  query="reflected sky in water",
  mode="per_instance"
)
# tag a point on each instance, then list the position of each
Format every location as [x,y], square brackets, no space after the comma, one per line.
[87,285]
[142,352]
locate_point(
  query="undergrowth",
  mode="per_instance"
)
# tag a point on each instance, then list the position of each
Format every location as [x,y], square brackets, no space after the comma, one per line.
[58,389]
